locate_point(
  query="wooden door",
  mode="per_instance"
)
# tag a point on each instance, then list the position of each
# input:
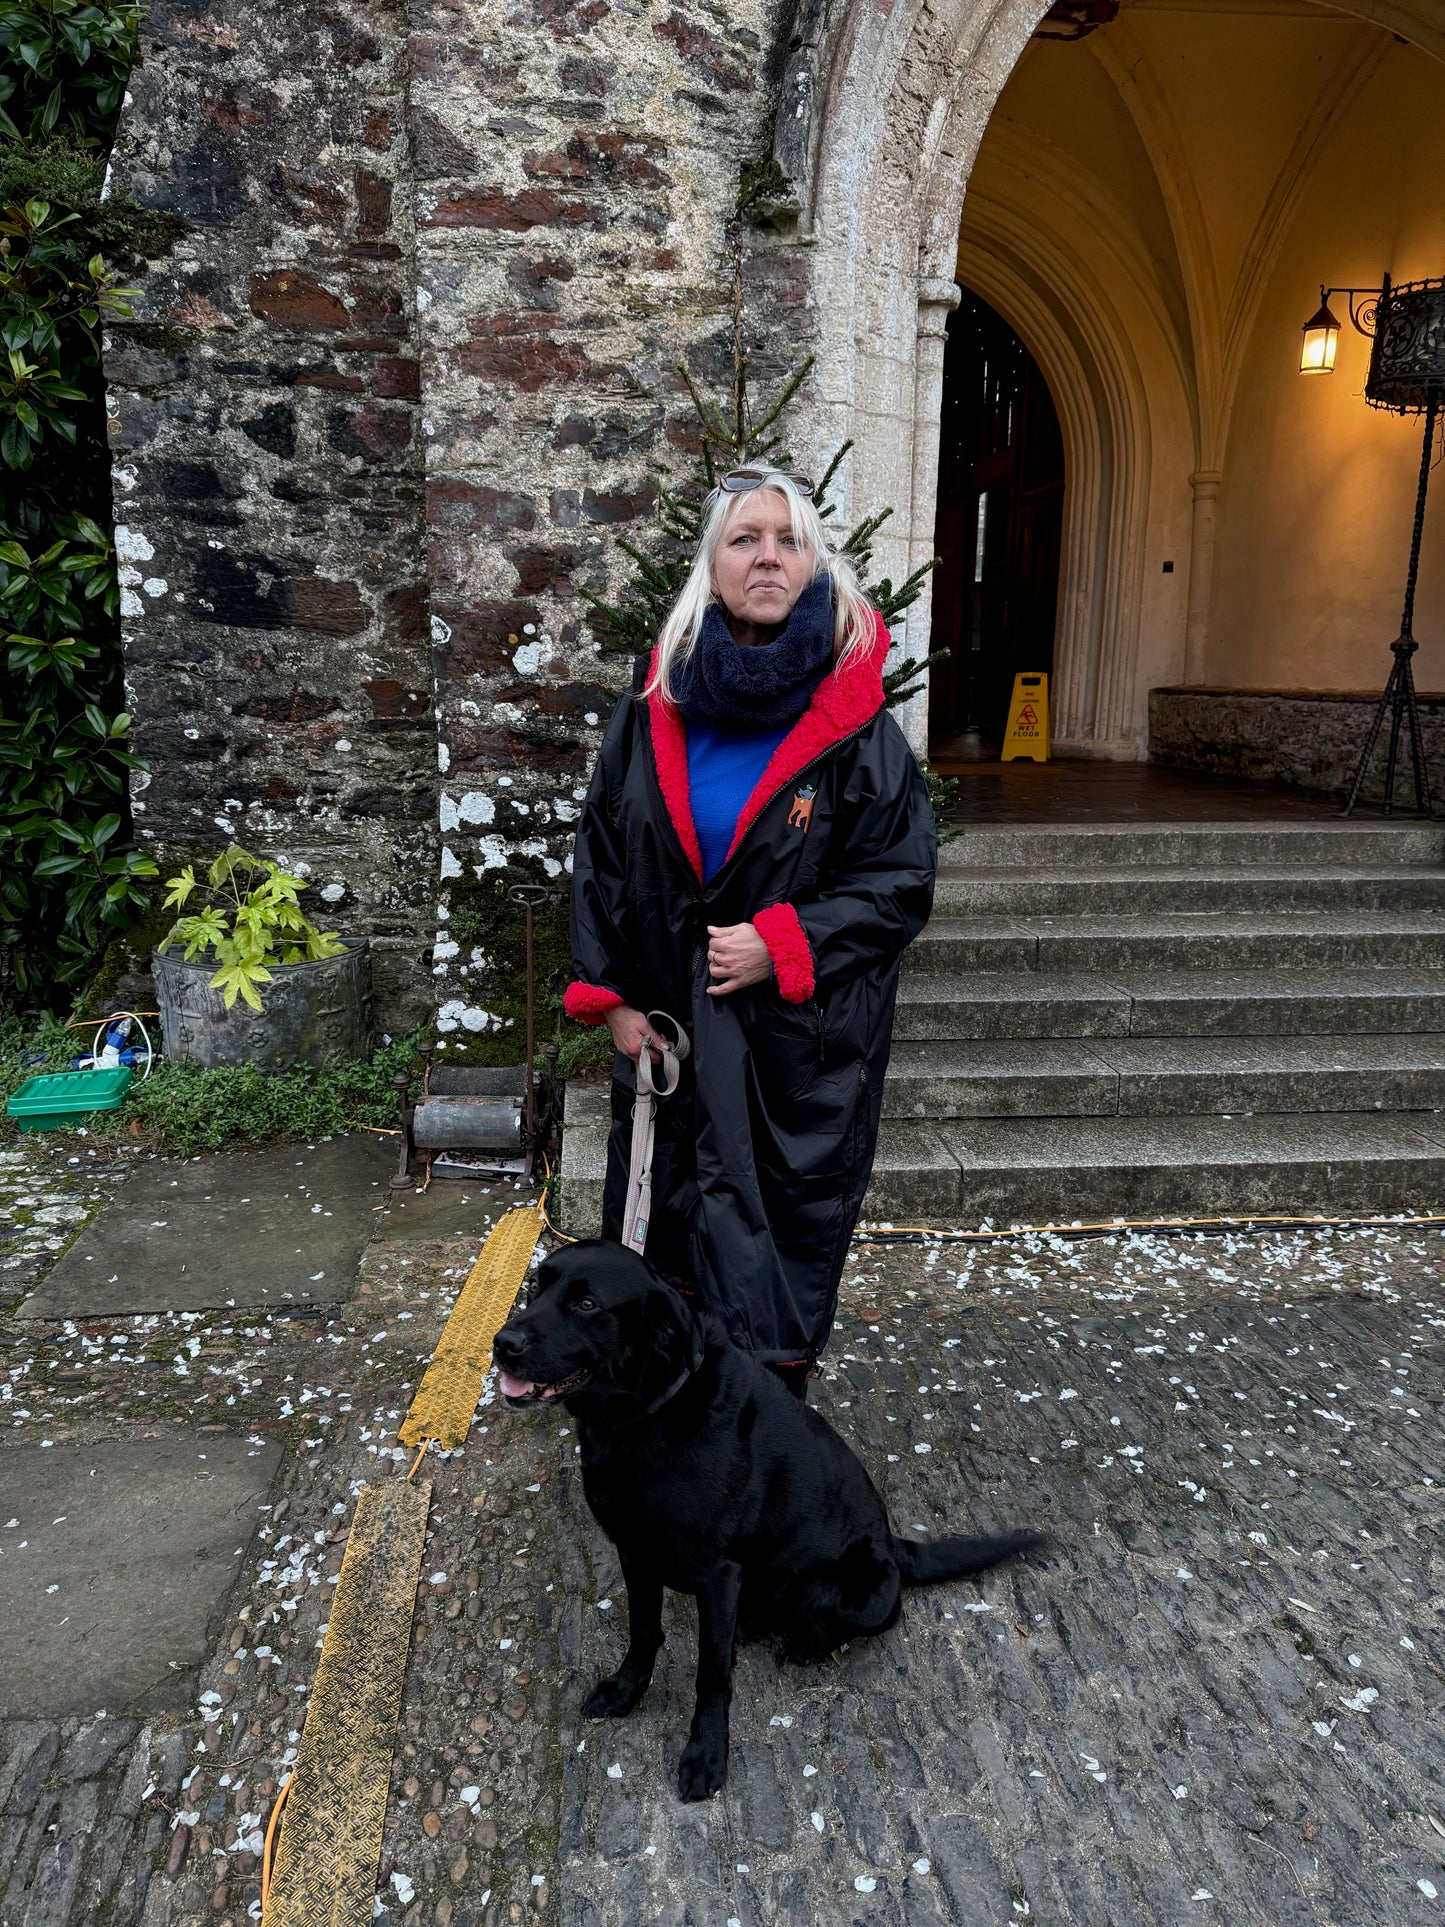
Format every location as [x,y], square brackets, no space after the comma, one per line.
[999,530]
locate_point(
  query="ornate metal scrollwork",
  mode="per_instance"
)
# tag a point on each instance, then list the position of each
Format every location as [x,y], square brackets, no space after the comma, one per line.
[1407,363]
[1365,312]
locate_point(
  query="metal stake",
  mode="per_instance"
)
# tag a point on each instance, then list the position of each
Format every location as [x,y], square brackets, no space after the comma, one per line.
[529,896]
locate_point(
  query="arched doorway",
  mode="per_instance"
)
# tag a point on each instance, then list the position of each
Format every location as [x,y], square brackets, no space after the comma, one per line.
[998,533]
[1153,206]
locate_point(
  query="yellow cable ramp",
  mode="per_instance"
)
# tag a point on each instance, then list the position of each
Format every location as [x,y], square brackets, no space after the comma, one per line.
[321,1870]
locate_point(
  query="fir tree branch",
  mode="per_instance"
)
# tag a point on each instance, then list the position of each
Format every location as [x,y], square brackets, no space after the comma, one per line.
[790,388]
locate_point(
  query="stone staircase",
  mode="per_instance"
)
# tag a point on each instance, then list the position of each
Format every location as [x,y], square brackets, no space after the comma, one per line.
[1176,1020]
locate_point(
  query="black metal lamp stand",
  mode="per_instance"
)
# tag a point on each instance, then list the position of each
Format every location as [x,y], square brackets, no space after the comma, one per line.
[1407,376]
[1398,701]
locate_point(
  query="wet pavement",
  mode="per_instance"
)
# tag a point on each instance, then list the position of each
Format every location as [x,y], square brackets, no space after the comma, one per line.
[1218,1695]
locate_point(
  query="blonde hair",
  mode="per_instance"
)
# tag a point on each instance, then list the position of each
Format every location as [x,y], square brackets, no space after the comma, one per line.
[853,620]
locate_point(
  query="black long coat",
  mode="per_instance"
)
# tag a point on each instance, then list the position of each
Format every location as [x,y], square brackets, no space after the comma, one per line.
[763,1154]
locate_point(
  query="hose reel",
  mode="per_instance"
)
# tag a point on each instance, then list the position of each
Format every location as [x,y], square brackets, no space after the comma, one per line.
[475,1120]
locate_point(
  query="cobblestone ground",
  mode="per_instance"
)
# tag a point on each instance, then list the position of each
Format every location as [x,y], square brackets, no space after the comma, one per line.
[1218,1696]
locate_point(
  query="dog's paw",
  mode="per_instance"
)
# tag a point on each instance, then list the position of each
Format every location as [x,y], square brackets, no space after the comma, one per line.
[702,1769]
[612,1698]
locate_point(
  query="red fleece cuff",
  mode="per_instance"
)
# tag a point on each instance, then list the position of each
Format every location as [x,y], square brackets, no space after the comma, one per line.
[589,1003]
[788,946]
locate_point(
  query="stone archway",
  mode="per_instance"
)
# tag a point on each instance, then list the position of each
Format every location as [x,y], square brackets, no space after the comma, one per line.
[881,119]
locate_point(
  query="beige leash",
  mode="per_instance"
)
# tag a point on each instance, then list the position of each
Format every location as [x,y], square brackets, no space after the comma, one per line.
[638,1210]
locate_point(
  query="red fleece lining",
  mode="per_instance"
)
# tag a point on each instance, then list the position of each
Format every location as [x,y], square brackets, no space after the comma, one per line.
[589,1003]
[842,702]
[669,755]
[788,946]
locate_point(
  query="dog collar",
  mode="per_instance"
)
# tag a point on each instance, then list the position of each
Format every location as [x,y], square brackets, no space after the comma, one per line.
[671,1392]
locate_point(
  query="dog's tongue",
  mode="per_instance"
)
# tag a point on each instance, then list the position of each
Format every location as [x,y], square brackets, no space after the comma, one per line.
[514,1387]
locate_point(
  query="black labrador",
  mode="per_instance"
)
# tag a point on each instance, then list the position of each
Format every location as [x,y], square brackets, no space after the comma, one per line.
[711,1478]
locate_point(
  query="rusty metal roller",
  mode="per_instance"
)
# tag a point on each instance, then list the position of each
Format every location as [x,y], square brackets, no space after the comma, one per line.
[472,1123]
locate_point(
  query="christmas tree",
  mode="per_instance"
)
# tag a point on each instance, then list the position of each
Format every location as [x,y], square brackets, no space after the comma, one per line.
[732,434]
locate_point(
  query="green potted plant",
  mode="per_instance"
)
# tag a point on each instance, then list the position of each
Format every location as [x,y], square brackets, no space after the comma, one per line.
[244,977]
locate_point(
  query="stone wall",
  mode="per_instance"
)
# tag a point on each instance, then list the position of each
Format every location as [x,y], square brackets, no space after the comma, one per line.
[380,417]
[576,167]
[267,463]
[1302,738]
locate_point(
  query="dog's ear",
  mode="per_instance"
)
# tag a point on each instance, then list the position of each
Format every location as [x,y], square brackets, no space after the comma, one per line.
[673,1329]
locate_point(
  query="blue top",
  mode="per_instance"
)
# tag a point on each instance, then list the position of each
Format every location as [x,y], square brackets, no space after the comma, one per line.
[723,770]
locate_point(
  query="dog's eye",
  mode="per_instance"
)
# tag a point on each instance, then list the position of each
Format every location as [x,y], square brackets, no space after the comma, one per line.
[585,1304]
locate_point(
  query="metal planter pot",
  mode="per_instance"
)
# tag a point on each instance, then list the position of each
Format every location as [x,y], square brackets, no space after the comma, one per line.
[311,1013]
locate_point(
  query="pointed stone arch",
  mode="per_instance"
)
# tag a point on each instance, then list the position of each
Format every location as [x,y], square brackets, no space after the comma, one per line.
[884,108]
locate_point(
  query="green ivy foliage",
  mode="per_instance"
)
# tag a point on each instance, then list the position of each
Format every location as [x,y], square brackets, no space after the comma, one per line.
[63,65]
[68,879]
[70,875]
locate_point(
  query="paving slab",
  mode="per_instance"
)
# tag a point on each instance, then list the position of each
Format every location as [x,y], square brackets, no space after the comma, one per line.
[114,1558]
[446,1209]
[286,1224]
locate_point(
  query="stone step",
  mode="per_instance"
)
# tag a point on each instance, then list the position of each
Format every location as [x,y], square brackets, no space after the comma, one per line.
[1173,941]
[1036,1171]
[1167,1003]
[1013,891]
[1092,845]
[1073,1170]
[1165,1077]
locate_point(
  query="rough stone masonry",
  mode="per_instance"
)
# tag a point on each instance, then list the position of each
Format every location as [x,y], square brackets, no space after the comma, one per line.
[381,411]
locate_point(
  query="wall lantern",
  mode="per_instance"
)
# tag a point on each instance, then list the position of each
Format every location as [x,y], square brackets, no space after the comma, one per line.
[1321,338]
[1407,376]
[1322,331]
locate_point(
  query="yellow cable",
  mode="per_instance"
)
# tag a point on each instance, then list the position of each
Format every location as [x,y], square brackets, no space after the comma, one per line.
[1296,1219]
[270,1842]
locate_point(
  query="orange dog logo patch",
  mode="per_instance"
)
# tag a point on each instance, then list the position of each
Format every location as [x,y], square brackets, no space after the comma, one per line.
[801,814]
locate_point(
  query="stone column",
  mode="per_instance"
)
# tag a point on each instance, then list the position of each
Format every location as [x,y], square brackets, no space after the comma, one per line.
[937,300]
[1205,484]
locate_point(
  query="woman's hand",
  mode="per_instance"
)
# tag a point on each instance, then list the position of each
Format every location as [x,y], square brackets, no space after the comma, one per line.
[631,1032]
[736,957]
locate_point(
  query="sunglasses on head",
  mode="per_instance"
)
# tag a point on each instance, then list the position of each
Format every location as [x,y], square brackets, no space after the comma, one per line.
[739,481]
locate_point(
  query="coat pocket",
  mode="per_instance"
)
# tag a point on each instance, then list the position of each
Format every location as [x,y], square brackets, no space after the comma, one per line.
[787,1041]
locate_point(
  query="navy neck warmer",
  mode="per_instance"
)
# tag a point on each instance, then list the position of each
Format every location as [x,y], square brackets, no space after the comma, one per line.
[718,685]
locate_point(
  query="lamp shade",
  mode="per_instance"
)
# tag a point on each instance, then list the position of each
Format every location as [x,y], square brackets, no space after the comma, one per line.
[1321,338]
[1407,366]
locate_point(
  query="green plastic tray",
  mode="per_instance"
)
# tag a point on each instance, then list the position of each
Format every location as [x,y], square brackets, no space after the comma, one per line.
[57,1099]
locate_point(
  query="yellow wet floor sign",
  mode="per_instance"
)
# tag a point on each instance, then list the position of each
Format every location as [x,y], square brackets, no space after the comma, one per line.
[1027,733]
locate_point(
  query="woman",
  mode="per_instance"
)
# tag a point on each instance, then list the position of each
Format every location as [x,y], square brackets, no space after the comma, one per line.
[755,853]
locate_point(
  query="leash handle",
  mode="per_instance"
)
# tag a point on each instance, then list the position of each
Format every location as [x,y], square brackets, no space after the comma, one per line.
[637,1211]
